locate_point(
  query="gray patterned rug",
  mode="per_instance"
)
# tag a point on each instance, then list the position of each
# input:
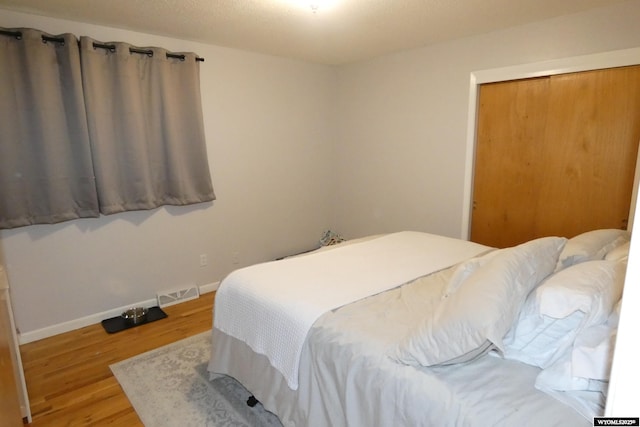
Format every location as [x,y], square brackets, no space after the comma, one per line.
[170,387]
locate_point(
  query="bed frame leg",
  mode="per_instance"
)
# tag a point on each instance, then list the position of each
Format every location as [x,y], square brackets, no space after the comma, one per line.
[252,401]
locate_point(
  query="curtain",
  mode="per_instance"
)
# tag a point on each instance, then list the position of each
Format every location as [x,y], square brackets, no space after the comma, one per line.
[146,127]
[46,172]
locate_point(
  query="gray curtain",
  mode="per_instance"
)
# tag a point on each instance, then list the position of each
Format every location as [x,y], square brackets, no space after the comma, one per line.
[46,174]
[146,128]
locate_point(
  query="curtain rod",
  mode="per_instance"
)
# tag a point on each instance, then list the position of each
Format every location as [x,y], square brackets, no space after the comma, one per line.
[111,47]
[148,52]
[16,34]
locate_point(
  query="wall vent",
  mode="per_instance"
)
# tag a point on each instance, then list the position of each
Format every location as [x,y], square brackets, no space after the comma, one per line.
[175,296]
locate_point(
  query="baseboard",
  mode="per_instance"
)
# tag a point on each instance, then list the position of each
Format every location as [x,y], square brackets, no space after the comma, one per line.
[60,328]
[209,287]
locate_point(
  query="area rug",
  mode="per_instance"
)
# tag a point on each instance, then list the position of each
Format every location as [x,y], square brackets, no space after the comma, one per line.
[170,387]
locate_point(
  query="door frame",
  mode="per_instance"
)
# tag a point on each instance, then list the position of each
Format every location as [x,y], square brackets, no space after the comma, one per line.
[617,58]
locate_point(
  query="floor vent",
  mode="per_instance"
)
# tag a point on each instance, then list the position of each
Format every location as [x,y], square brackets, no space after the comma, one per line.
[175,296]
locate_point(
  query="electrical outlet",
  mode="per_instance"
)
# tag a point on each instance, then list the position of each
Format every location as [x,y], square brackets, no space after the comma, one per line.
[204,261]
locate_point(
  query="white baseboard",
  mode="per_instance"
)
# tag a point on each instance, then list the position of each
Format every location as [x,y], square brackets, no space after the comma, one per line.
[49,331]
[210,287]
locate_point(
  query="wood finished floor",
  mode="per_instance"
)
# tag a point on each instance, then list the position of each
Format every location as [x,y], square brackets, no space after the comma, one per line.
[68,376]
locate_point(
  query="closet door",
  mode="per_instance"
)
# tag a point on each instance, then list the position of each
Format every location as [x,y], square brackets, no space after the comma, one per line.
[555,155]
[511,126]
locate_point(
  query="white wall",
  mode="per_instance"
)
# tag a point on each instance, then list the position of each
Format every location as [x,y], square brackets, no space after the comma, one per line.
[269,134]
[403,118]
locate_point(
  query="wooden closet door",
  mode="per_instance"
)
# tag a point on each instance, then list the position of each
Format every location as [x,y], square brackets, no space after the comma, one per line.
[511,126]
[555,155]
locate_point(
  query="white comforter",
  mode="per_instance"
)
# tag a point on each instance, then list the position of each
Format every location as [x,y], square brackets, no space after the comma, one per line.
[346,378]
[272,306]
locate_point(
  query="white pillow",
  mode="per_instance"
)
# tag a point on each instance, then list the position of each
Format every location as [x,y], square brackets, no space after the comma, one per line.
[482,309]
[614,317]
[540,340]
[592,352]
[554,314]
[592,287]
[619,253]
[465,269]
[591,245]
[559,377]
[583,371]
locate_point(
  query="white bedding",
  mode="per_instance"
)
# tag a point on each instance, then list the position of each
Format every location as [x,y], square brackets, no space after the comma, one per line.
[349,373]
[272,306]
[346,378]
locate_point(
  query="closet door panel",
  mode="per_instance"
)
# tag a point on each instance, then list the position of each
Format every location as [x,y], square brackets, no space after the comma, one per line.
[511,127]
[593,129]
[555,156]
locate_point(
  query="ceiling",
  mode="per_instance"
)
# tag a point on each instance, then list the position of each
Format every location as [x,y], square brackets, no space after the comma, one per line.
[337,32]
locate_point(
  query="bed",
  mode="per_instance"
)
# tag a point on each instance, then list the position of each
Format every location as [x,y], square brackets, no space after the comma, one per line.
[414,329]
